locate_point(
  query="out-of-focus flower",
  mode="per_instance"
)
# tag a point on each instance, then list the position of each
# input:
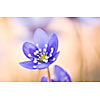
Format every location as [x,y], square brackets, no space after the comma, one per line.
[90,21]
[42,53]
[60,75]
[34,22]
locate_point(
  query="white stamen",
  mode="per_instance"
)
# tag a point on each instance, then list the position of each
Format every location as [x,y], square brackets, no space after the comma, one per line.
[46,57]
[50,55]
[35,61]
[52,49]
[46,45]
[39,63]
[36,52]
[37,58]
[44,50]
[34,66]
[37,55]
[29,55]
[37,45]
[40,50]
[45,60]
[54,59]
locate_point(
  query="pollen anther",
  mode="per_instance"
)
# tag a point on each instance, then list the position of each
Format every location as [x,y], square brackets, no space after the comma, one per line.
[37,45]
[39,63]
[50,55]
[44,50]
[34,66]
[54,59]
[52,49]
[29,55]
[45,60]
[40,50]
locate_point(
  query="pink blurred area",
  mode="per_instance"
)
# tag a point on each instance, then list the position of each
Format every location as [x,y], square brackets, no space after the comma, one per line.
[79,46]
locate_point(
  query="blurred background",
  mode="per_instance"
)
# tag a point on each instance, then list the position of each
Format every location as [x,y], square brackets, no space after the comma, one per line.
[79,46]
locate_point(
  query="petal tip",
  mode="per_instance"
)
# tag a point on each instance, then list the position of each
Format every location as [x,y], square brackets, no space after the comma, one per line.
[39,30]
[44,79]
[55,35]
[56,66]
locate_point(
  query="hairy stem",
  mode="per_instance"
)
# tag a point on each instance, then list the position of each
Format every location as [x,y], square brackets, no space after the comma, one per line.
[49,77]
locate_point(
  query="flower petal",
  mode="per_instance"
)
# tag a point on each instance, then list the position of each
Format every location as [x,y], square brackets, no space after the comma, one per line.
[40,38]
[29,49]
[54,58]
[53,43]
[61,75]
[43,65]
[44,79]
[28,64]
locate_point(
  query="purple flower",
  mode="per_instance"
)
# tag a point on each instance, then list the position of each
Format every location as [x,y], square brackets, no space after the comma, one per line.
[33,22]
[42,53]
[60,75]
[90,21]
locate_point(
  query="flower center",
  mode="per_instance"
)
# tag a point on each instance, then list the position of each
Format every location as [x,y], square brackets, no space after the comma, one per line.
[43,58]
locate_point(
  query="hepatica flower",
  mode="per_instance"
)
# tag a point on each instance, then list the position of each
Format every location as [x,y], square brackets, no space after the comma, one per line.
[60,75]
[42,53]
